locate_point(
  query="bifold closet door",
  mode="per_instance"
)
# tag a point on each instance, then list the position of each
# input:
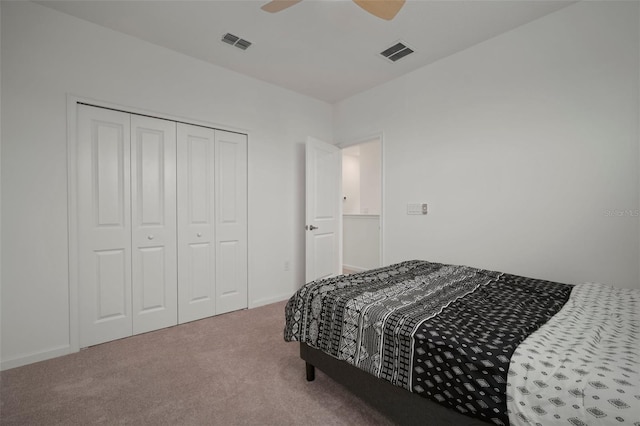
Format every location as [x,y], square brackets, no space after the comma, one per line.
[212,222]
[162,223]
[127,274]
[231,221]
[153,213]
[104,225]
[196,224]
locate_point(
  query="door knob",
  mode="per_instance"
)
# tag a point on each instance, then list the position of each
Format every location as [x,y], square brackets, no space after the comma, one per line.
[311,227]
[199,234]
[150,237]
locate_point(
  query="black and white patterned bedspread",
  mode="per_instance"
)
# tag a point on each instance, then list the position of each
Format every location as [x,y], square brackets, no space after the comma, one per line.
[445,332]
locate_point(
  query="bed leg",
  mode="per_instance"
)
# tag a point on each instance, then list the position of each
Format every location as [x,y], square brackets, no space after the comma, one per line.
[311,372]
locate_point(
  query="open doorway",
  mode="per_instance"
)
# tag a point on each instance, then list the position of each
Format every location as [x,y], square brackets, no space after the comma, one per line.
[361,206]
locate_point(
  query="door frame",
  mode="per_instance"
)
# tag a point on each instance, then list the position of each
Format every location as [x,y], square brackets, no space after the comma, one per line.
[357,141]
[72,202]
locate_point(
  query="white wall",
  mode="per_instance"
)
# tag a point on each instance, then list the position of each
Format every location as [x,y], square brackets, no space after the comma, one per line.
[361,178]
[350,184]
[361,184]
[521,145]
[370,177]
[45,56]
[361,242]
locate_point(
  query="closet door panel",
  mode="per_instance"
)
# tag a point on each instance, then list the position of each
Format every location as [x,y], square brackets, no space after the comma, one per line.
[104,226]
[153,194]
[231,221]
[196,244]
[111,288]
[200,276]
[229,259]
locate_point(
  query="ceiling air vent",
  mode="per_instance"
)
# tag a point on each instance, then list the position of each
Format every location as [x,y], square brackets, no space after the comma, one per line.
[236,41]
[397,51]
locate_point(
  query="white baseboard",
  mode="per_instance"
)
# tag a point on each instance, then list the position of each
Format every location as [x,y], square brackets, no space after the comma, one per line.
[354,268]
[269,300]
[35,357]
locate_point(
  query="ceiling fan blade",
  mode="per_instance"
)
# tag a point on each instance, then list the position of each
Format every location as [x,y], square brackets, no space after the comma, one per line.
[384,9]
[277,5]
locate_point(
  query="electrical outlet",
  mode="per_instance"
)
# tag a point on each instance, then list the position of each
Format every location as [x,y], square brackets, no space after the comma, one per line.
[287,265]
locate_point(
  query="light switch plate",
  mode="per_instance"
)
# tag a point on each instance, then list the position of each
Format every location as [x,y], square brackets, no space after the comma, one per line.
[417,208]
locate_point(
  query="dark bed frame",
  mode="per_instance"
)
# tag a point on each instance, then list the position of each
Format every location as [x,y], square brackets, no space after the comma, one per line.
[399,405]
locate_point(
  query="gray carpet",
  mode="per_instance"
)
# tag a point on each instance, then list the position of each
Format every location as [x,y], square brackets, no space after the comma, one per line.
[230,369]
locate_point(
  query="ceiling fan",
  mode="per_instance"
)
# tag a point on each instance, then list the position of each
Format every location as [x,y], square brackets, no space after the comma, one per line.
[384,9]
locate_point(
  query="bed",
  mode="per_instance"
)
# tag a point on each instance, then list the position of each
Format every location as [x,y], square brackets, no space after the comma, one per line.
[452,344]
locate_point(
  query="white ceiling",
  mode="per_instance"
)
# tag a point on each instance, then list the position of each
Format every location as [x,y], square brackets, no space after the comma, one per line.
[326,49]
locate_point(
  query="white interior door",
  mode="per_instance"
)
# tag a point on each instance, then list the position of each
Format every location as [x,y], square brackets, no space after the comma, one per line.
[104,225]
[231,221]
[196,208]
[153,217]
[323,209]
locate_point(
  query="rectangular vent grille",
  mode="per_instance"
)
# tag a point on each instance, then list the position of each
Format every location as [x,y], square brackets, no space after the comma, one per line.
[236,41]
[397,51]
